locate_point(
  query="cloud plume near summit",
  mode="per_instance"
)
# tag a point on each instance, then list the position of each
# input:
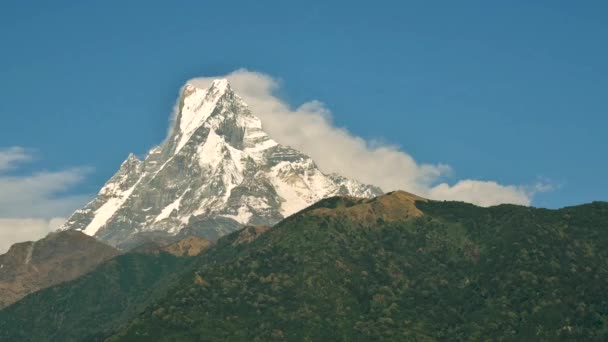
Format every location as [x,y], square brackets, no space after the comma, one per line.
[309,129]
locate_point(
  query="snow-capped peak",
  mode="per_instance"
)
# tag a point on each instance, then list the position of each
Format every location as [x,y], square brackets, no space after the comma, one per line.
[216,171]
[196,106]
[131,159]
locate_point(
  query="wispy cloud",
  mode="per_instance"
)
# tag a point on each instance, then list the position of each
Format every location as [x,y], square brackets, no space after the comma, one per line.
[10,157]
[25,229]
[309,128]
[33,204]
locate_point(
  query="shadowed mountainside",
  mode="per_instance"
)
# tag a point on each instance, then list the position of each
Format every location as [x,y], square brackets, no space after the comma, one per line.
[31,266]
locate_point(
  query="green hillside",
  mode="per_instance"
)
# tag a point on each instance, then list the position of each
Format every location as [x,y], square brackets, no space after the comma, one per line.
[459,272]
[86,308]
[393,268]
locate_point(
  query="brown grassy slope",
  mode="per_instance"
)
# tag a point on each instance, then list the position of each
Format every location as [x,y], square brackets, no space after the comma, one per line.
[391,207]
[190,246]
[30,266]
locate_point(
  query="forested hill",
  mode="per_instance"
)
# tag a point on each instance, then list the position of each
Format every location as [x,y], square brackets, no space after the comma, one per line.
[456,272]
[396,267]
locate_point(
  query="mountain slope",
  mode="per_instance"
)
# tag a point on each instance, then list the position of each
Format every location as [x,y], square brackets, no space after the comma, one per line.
[31,266]
[396,267]
[190,246]
[216,171]
[452,272]
[94,305]
[99,301]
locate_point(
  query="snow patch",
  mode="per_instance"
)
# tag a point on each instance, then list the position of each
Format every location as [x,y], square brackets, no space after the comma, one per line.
[198,105]
[166,212]
[210,154]
[107,210]
[261,146]
[243,215]
[30,252]
[291,200]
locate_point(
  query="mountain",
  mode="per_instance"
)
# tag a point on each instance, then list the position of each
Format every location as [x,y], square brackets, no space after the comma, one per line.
[216,171]
[59,257]
[94,305]
[396,267]
[84,308]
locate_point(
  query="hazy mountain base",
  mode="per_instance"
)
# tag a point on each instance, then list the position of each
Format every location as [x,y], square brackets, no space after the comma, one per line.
[458,273]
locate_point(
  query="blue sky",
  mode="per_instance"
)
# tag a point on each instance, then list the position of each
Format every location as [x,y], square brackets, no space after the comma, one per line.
[514,92]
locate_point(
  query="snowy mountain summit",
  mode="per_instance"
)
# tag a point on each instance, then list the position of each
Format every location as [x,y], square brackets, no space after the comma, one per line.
[216,171]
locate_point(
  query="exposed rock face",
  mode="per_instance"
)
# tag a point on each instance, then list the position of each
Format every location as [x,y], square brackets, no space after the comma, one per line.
[31,266]
[216,172]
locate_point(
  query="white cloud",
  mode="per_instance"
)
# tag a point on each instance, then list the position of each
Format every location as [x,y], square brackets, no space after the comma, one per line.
[31,205]
[484,193]
[40,194]
[309,129]
[24,229]
[9,157]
